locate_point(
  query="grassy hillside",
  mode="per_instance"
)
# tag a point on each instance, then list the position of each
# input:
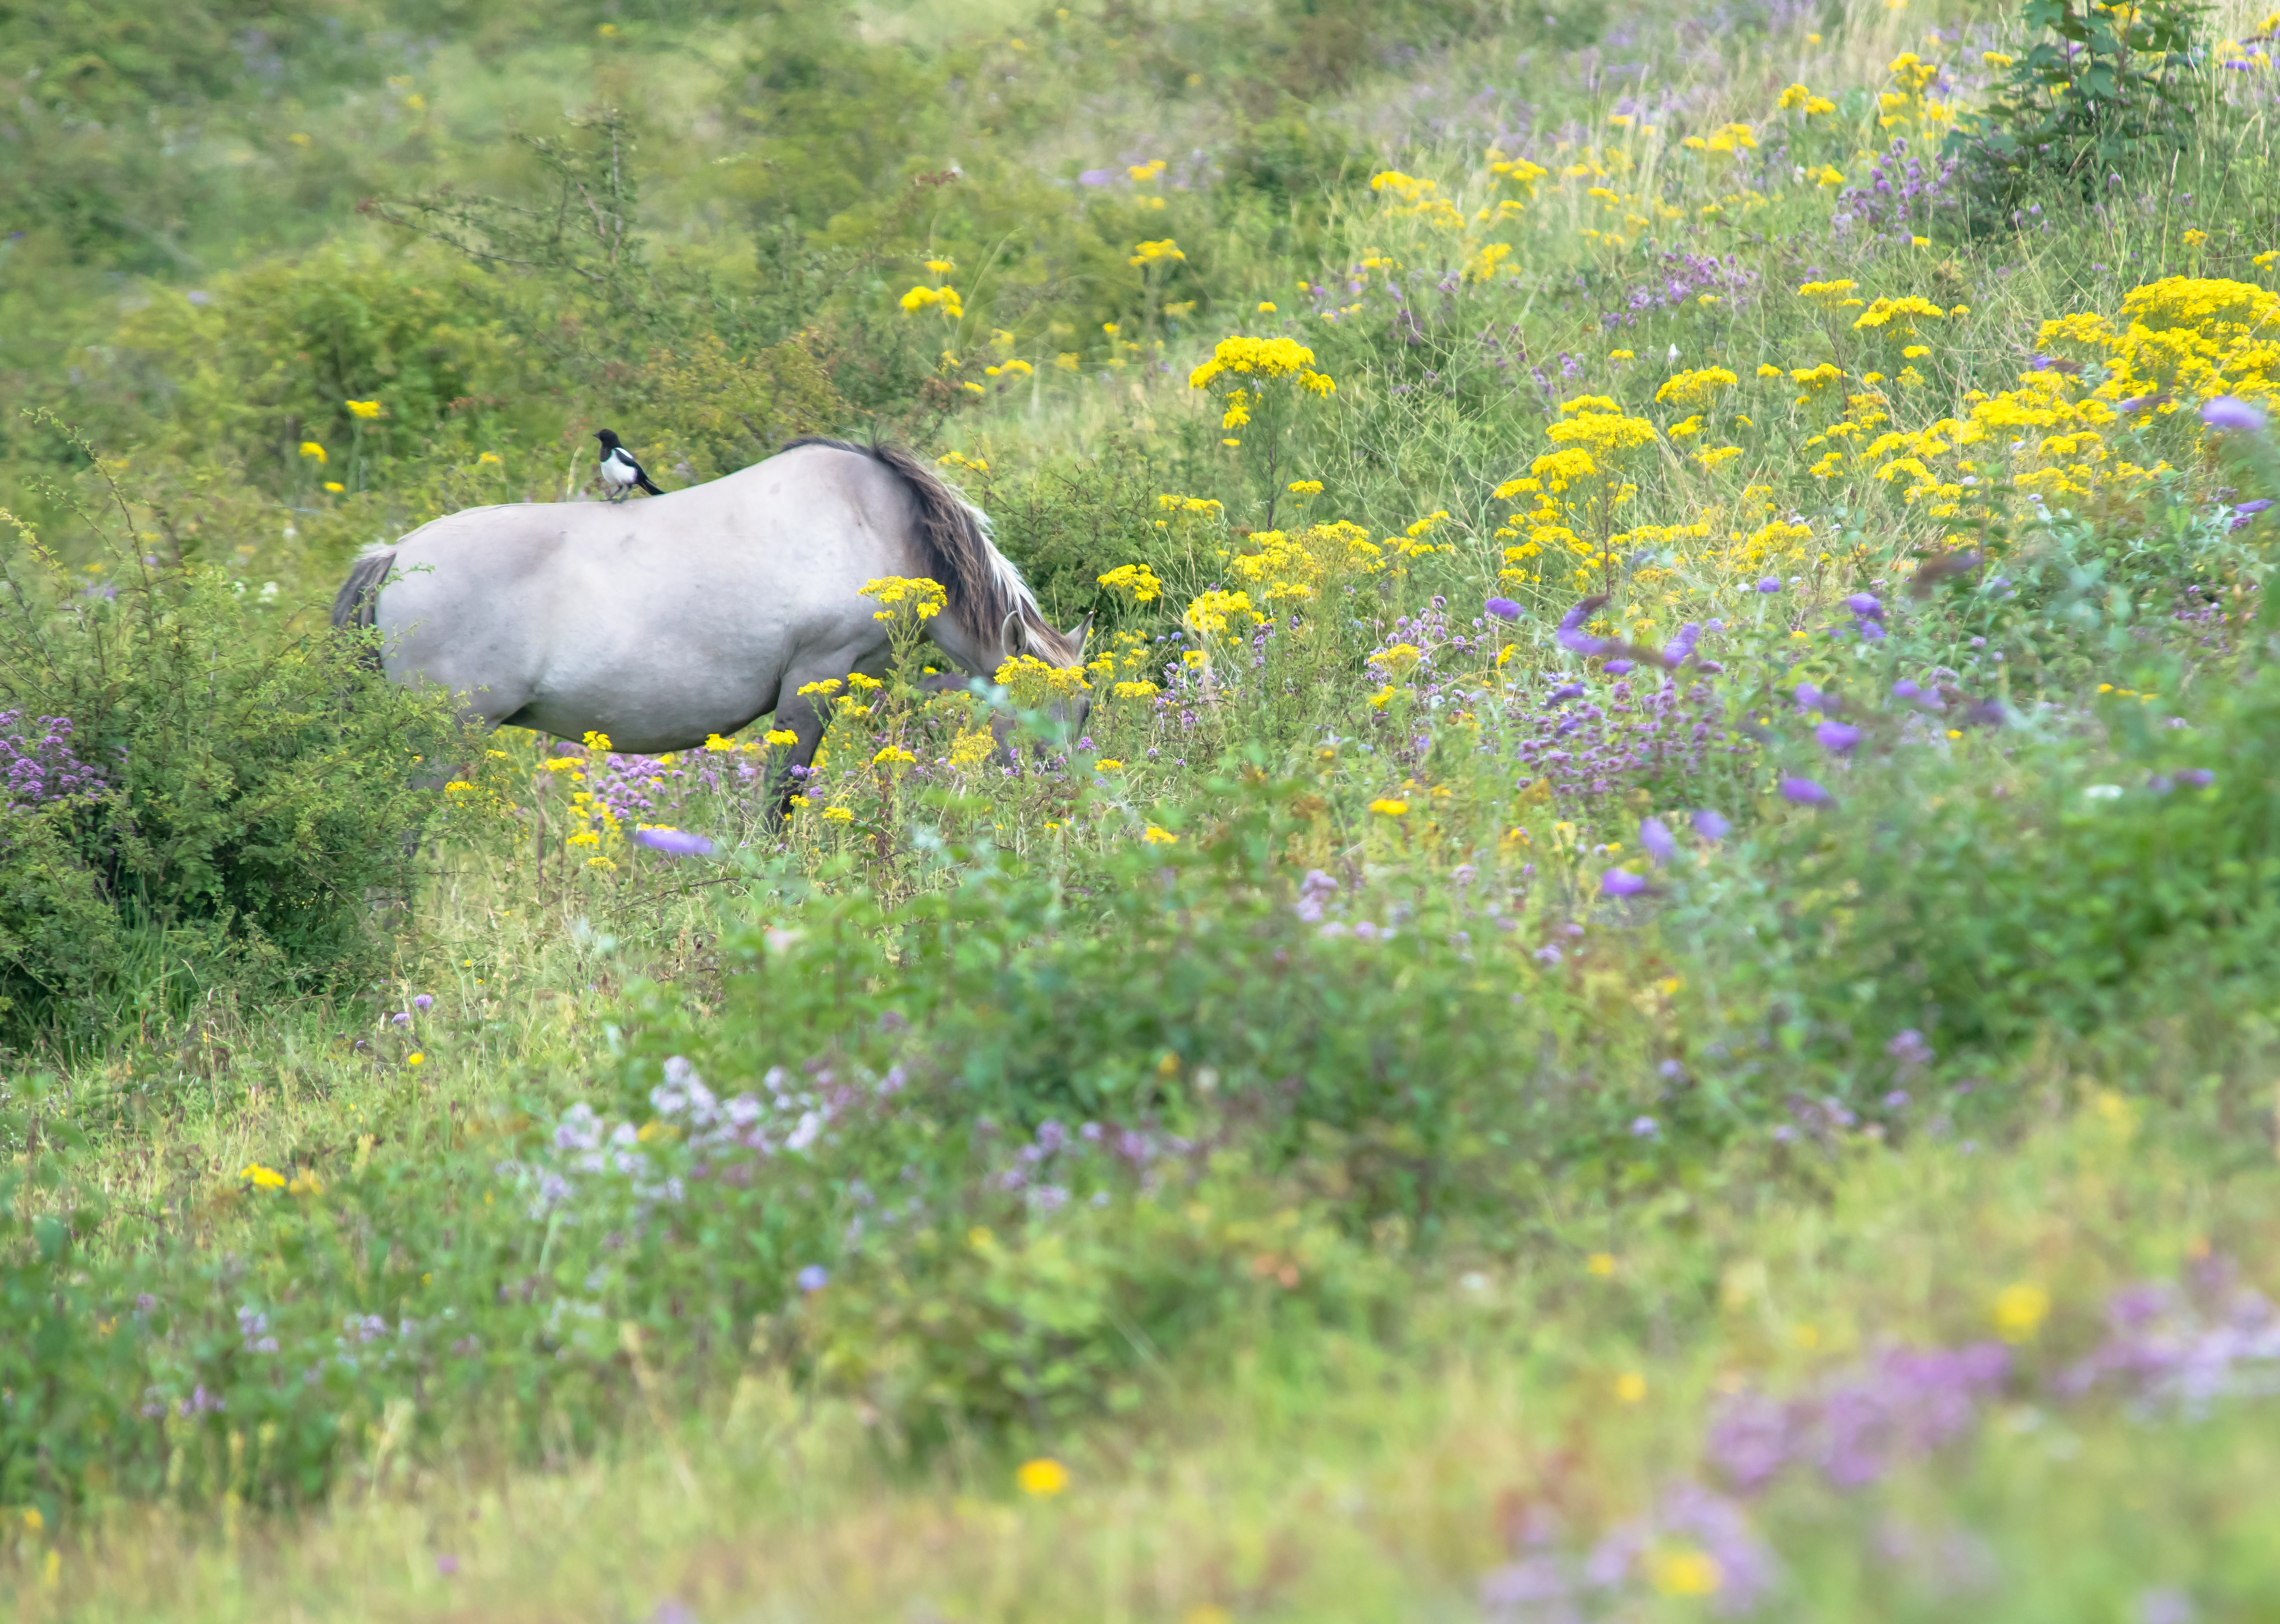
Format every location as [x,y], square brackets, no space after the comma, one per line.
[1646,994]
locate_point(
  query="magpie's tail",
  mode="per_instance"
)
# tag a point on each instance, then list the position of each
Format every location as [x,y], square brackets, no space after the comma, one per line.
[647,484]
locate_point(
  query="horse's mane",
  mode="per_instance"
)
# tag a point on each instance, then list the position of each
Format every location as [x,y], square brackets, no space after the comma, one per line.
[984,587]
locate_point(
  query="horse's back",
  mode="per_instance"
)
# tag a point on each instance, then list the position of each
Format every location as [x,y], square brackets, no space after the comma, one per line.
[692,604]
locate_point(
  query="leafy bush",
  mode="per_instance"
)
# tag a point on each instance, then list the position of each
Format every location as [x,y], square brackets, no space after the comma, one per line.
[202,798]
[2098,868]
[2102,89]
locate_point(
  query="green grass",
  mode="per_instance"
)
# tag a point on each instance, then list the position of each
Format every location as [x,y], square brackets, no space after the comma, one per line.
[1415,1251]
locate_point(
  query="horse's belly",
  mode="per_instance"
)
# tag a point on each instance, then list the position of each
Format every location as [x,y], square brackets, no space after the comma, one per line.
[667,703]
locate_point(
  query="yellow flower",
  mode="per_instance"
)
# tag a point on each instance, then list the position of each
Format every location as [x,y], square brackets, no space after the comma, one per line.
[1600,1263]
[311,448]
[366,409]
[1042,1478]
[837,814]
[1630,1387]
[1107,765]
[1266,308]
[2020,1311]
[489,460]
[1995,60]
[1155,836]
[1153,253]
[1261,358]
[1387,807]
[305,1183]
[1135,690]
[1136,579]
[941,267]
[892,755]
[261,1177]
[335,486]
[1686,1573]
[2194,239]
[415,1059]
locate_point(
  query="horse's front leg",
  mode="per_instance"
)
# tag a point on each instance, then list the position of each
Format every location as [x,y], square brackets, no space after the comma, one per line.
[801,716]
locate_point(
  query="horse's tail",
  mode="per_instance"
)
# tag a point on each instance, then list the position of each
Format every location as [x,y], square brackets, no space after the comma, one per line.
[356,608]
[987,595]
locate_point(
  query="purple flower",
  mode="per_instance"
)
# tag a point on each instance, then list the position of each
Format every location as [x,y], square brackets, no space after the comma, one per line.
[1809,697]
[1681,648]
[1644,1128]
[1710,826]
[2162,1604]
[1805,792]
[1655,835]
[424,1000]
[674,843]
[2231,411]
[1839,738]
[2249,509]
[1502,608]
[1910,1049]
[1897,1100]
[2137,404]
[1620,667]
[1771,583]
[814,1277]
[1906,689]
[1622,882]
[1096,177]
[446,1564]
[1549,954]
[1571,634]
[2196,778]
[1866,606]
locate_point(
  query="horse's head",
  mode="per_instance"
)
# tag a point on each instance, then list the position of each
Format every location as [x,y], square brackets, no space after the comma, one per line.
[1064,651]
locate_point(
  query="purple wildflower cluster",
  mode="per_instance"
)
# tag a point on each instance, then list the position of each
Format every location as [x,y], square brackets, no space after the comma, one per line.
[1547,1584]
[1862,1422]
[38,765]
[2179,1348]
[643,789]
[1899,196]
[1582,747]
[1681,279]
[1044,1169]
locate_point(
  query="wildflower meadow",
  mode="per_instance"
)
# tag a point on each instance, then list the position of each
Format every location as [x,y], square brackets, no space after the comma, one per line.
[1633,978]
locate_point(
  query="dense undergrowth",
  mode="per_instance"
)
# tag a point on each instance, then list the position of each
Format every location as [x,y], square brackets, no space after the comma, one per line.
[1645,989]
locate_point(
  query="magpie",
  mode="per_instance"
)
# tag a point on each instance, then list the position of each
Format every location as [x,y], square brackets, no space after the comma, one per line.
[620,471]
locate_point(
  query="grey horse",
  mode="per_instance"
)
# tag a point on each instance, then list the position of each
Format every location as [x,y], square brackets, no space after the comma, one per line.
[697,612]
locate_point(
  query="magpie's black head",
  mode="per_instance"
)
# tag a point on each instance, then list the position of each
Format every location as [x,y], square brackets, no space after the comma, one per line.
[609,439]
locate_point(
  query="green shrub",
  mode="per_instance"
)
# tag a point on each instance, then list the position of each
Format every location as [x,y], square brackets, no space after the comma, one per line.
[2099,90]
[209,795]
[2095,869]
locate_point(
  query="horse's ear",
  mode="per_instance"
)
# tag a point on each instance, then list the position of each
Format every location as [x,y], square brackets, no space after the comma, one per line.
[1080,634]
[1005,634]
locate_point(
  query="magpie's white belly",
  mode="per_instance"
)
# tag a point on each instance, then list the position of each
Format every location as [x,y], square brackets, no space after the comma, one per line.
[615,472]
